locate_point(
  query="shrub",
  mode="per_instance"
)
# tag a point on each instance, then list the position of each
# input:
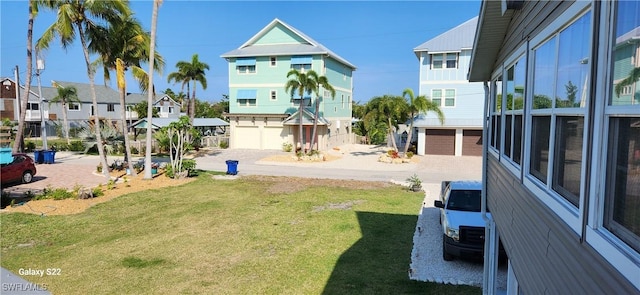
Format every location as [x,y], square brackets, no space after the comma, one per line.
[409,155]
[287,147]
[56,194]
[76,146]
[393,154]
[97,191]
[134,150]
[30,146]
[223,145]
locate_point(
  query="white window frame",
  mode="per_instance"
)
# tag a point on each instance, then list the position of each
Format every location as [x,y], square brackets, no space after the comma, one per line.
[507,162]
[492,112]
[273,95]
[441,60]
[74,106]
[455,58]
[607,244]
[111,107]
[444,99]
[566,211]
[273,61]
[170,110]
[247,102]
[246,70]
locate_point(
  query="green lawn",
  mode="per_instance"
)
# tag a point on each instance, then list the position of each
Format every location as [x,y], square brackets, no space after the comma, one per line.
[246,236]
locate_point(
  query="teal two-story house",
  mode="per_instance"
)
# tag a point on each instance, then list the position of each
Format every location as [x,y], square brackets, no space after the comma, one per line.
[262,115]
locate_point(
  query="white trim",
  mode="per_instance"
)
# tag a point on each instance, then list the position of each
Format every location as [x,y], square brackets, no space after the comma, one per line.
[273,93]
[273,63]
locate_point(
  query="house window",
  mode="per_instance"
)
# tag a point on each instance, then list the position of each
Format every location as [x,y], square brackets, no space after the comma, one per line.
[436,61]
[622,148]
[158,109]
[514,106]
[246,65]
[73,106]
[449,97]
[302,63]
[436,96]
[246,69]
[452,60]
[170,110]
[273,61]
[33,106]
[560,81]
[496,111]
[111,107]
[274,95]
[247,102]
[444,97]
[342,101]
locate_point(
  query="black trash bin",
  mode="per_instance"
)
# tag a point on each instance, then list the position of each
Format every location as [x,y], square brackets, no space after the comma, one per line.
[232,167]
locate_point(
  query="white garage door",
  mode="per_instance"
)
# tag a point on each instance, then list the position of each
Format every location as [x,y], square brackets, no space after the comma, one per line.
[272,138]
[246,137]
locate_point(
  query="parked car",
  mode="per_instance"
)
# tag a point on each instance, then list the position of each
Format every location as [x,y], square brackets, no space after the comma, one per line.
[461,219]
[21,169]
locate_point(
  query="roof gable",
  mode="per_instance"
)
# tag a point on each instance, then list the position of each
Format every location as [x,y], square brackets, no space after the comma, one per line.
[279,38]
[279,34]
[456,39]
[166,98]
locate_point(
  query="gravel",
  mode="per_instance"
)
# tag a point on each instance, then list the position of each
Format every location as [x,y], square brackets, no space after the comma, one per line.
[426,257]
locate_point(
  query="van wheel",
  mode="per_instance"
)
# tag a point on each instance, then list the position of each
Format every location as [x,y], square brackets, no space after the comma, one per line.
[446,256]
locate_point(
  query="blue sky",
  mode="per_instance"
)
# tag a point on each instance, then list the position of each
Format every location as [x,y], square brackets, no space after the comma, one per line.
[377,37]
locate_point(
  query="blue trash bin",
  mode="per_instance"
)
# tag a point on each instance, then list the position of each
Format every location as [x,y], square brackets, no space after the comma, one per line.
[49,156]
[38,156]
[232,167]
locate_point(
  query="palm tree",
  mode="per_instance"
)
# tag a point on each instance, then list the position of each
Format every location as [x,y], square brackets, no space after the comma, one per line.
[188,72]
[19,143]
[300,83]
[81,15]
[416,105]
[123,46]
[633,77]
[389,108]
[65,96]
[320,81]
[152,51]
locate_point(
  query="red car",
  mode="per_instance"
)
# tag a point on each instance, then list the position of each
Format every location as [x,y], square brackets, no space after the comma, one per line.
[21,169]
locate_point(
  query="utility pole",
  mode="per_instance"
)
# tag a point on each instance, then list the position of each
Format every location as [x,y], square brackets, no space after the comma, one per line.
[43,127]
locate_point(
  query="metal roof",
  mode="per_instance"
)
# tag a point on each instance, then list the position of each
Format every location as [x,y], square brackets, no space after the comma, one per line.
[249,49]
[307,119]
[164,122]
[456,39]
[104,94]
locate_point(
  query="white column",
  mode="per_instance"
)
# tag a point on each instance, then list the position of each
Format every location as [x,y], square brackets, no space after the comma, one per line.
[458,143]
[421,141]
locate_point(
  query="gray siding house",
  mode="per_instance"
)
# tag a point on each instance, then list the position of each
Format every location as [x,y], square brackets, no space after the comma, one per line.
[561,150]
[444,64]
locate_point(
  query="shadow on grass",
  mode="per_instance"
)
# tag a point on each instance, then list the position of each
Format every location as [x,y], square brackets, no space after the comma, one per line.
[378,263]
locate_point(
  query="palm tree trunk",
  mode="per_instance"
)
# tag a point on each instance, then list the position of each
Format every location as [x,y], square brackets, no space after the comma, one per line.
[125,133]
[94,98]
[300,109]
[65,121]
[315,124]
[192,105]
[18,145]
[391,136]
[409,135]
[147,155]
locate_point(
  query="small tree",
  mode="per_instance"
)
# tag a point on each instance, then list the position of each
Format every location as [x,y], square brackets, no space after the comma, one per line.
[179,133]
